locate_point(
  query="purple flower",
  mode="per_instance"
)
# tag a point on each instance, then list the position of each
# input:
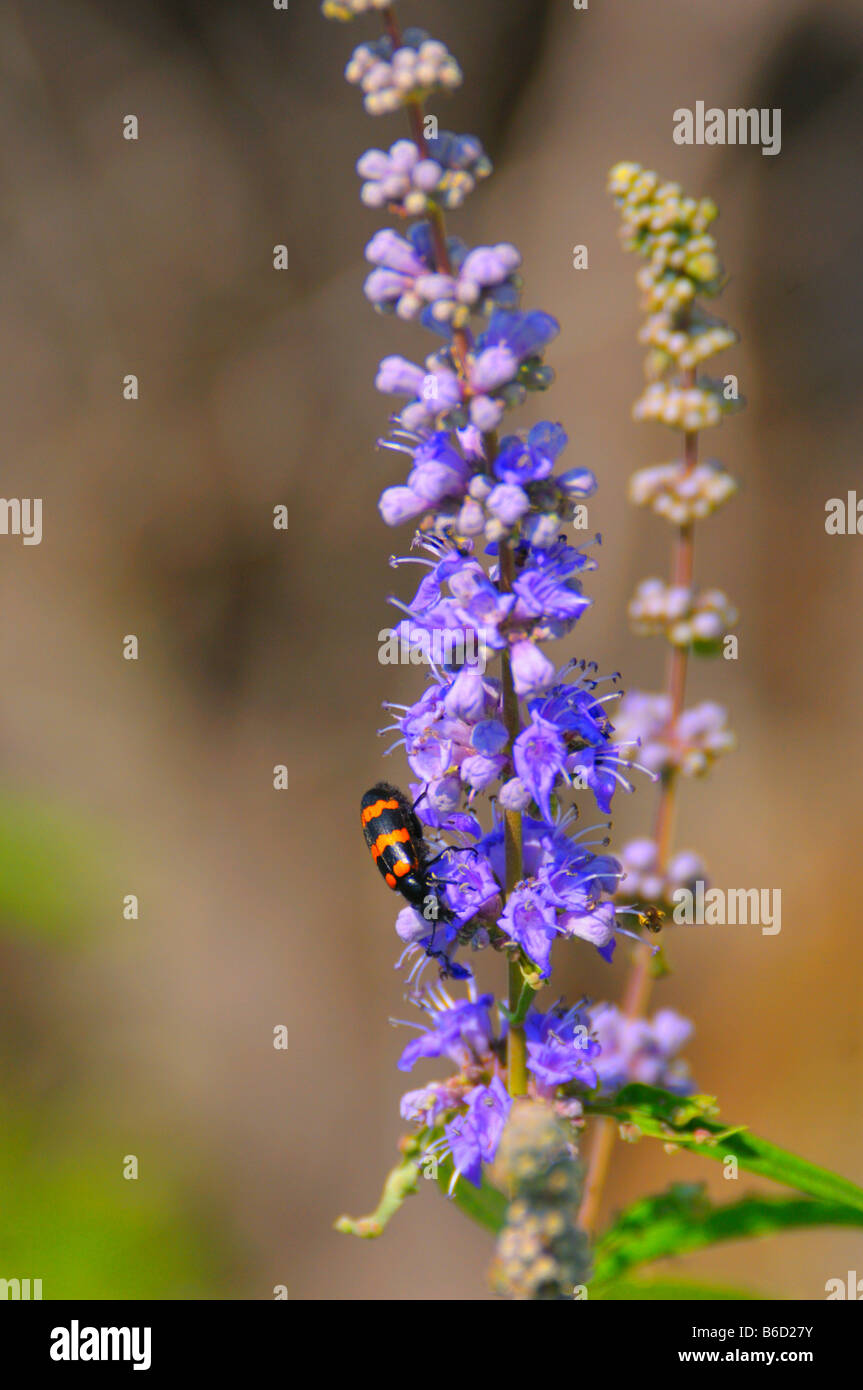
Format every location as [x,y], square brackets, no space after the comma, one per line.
[532,923]
[489,737]
[508,503]
[433,939]
[560,1048]
[400,179]
[436,390]
[539,754]
[500,354]
[577,483]
[439,471]
[509,339]
[545,587]
[564,893]
[451,743]
[487,277]
[479,771]
[462,489]
[484,280]
[577,715]
[462,823]
[400,265]
[531,669]
[640,1049]
[514,795]
[529,460]
[474,1137]
[541,844]
[470,887]
[574,707]
[589,767]
[406,280]
[470,696]
[426,1105]
[412,927]
[398,504]
[461,1031]
[593,922]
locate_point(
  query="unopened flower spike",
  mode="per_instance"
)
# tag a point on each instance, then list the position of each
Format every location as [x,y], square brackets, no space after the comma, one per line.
[670,232]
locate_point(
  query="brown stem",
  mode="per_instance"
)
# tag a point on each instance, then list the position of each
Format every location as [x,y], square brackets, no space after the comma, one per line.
[637,993]
[597,1172]
[516,1046]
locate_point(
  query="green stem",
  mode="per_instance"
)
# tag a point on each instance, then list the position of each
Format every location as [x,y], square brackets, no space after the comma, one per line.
[401,1182]
[516,1043]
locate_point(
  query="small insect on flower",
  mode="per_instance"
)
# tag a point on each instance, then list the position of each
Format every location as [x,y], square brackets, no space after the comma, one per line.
[394,835]
[653,918]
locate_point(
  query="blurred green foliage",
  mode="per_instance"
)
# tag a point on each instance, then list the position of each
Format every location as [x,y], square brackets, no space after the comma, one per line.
[71,1219]
[67,1214]
[54,870]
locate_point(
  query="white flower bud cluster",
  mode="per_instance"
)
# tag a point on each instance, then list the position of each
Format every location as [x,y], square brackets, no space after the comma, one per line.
[686,347]
[643,881]
[346,10]
[681,614]
[687,408]
[400,179]
[670,231]
[409,74]
[689,744]
[680,494]
[673,294]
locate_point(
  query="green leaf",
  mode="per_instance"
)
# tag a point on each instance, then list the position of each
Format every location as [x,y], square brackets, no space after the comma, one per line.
[684,1219]
[667,1290]
[691,1123]
[485,1205]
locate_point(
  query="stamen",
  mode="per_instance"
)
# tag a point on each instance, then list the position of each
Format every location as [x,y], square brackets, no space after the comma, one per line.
[393,444]
[396,560]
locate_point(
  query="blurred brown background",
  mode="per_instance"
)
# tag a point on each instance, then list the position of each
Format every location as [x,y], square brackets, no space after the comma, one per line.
[257,647]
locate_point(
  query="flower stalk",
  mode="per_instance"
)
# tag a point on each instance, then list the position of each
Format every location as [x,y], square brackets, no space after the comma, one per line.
[670,231]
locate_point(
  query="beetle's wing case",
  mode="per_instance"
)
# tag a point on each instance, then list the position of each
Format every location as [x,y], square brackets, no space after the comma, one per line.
[392,832]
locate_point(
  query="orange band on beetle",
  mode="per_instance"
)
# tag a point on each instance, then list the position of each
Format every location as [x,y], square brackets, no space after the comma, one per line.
[373,811]
[390,837]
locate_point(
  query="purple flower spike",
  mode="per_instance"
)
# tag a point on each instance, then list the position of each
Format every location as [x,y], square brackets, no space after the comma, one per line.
[496,731]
